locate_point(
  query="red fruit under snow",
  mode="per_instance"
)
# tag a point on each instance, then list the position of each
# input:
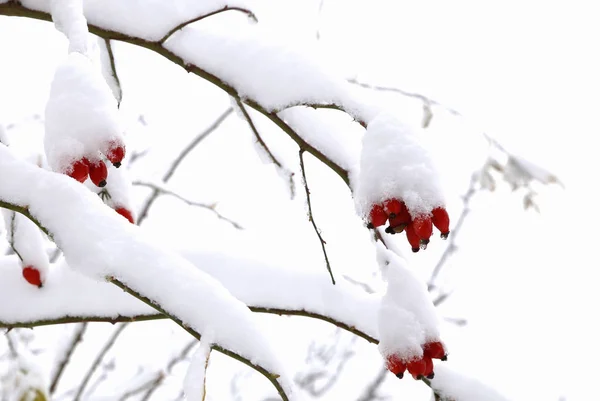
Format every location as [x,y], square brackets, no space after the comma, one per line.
[98,172]
[115,153]
[423,228]
[125,213]
[32,275]
[393,207]
[417,368]
[377,216]
[395,365]
[435,350]
[79,170]
[413,238]
[441,221]
[400,220]
[428,367]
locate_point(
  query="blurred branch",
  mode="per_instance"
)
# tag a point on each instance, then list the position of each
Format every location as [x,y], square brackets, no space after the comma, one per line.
[310,215]
[249,13]
[76,338]
[370,393]
[264,146]
[182,155]
[160,190]
[92,369]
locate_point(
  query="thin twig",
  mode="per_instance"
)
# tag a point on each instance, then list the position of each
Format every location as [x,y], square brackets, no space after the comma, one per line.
[249,13]
[64,361]
[182,155]
[165,191]
[310,215]
[264,146]
[370,392]
[113,70]
[149,384]
[111,341]
[451,247]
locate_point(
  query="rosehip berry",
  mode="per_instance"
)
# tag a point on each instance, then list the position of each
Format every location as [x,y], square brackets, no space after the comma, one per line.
[115,153]
[377,216]
[417,368]
[79,170]
[401,219]
[98,172]
[441,221]
[428,367]
[413,238]
[32,276]
[125,213]
[435,350]
[393,207]
[395,365]
[423,229]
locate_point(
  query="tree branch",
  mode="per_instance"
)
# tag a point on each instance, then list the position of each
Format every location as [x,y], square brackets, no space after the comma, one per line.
[311,218]
[249,13]
[62,364]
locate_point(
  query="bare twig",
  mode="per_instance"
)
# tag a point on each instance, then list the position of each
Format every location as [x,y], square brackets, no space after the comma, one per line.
[111,341]
[310,215]
[263,145]
[182,155]
[249,13]
[211,207]
[64,361]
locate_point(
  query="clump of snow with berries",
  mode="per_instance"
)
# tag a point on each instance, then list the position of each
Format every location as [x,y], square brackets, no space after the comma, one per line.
[398,183]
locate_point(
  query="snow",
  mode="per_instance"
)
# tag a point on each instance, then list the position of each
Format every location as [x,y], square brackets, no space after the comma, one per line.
[107,71]
[400,332]
[24,379]
[194,384]
[107,245]
[81,114]
[456,386]
[145,19]
[395,164]
[26,239]
[68,18]
[276,74]
[118,188]
[337,138]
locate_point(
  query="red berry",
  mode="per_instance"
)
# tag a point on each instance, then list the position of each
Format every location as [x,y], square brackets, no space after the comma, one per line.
[377,217]
[32,275]
[423,228]
[98,172]
[417,368]
[393,207]
[428,367]
[125,213]
[115,153]
[400,219]
[395,365]
[435,349]
[79,170]
[441,221]
[413,238]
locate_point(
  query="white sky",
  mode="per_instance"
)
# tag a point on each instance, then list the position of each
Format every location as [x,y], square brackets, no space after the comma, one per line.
[526,72]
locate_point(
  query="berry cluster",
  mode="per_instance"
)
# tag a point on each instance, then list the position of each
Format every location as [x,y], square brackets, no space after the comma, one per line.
[418,228]
[94,167]
[418,368]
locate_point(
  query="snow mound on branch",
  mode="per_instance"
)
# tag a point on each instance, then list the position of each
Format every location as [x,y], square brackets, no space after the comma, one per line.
[194,384]
[407,316]
[455,386]
[395,164]
[260,66]
[99,243]
[68,18]
[81,113]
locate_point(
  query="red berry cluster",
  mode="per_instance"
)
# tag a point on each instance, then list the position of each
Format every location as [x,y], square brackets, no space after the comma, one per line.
[95,168]
[418,368]
[32,276]
[418,229]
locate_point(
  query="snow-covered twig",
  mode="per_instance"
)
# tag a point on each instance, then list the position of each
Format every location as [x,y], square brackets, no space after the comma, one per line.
[109,68]
[76,338]
[182,155]
[98,360]
[312,219]
[161,190]
[249,13]
[264,146]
